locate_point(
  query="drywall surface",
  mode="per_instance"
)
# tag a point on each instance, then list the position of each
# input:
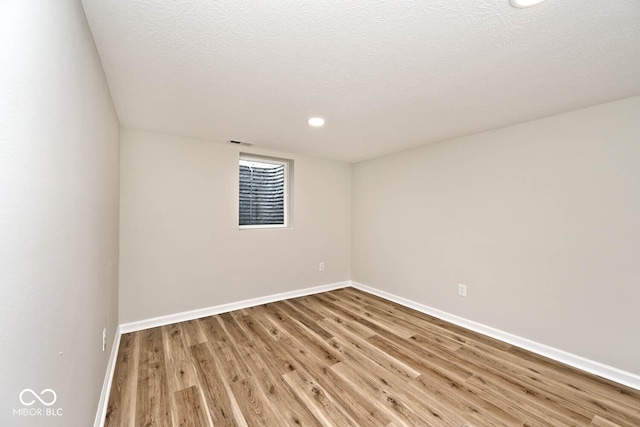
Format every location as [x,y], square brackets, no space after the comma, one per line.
[387,75]
[180,244]
[540,220]
[58,215]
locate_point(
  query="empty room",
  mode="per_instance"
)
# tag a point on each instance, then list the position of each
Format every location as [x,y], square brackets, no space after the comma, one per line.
[289,213]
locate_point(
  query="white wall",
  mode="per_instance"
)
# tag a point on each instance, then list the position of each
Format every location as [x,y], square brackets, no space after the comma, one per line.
[58,211]
[541,220]
[180,245]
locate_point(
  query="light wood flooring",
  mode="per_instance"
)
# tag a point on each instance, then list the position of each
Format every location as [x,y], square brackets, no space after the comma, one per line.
[347,358]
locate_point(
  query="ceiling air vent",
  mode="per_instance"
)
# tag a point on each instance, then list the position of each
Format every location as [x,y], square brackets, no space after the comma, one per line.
[247,144]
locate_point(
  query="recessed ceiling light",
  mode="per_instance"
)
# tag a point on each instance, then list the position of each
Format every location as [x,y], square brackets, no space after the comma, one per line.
[521,4]
[316,121]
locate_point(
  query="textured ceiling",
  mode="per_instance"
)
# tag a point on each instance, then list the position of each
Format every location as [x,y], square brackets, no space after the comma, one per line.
[386,75]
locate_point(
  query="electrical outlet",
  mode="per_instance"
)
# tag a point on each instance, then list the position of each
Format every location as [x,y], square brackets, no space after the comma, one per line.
[104,339]
[321,266]
[462,290]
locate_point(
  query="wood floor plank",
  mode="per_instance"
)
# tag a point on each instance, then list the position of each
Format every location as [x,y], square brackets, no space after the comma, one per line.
[180,371]
[381,321]
[193,332]
[294,312]
[303,306]
[602,422]
[304,340]
[428,359]
[268,364]
[323,405]
[256,409]
[190,410]
[364,347]
[437,381]
[407,388]
[355,403]
[345,358]
[280,360]
[263,315]
[383,394]
[213,329]
[600,390]
[296,343]
[289,408]
[152,397]
[534,387]
[233,329]
[222,406]
[340,315]
[570,398]
[538,406]
[458,333]
[122,400]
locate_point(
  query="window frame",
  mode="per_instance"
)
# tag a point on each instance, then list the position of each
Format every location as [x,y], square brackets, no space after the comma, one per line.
[285,201]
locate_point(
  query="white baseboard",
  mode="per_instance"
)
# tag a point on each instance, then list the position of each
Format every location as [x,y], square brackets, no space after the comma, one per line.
[614,374]
[224,308]
[108,378]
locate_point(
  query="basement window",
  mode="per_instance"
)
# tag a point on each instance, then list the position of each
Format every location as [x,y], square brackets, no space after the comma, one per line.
[263,192]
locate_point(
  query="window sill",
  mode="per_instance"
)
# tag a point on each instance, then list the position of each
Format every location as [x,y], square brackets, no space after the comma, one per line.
[264,227]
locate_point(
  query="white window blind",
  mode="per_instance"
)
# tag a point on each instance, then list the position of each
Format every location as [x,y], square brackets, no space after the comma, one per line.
[263,192]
